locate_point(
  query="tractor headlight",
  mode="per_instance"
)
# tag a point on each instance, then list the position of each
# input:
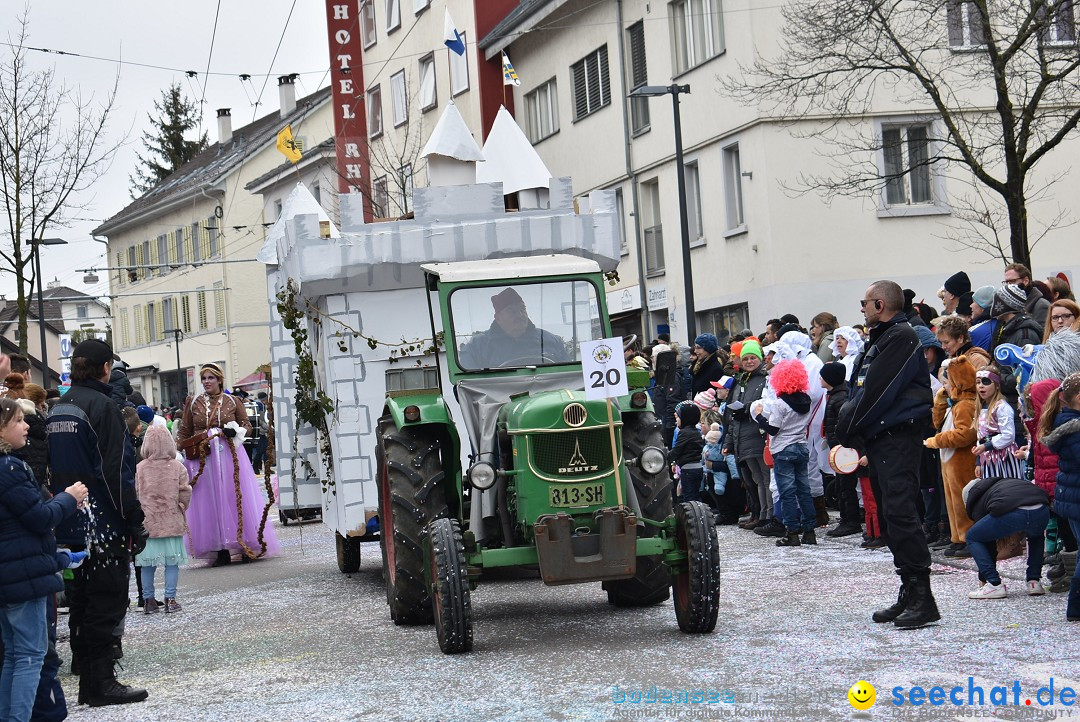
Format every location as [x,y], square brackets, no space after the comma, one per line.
[639,399]
[482,475]
[652,460]
[412,413]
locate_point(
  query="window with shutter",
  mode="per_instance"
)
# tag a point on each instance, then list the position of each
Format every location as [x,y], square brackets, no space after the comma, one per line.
[639,107]
[169,316]
[152,259]
[140,326]
[213,237]
[219,305]
[140,261]
[121,273]
[159,323]
[201,300]
[152,311]
[132,264]
[592,86]
[185,313]
[181,247]
[194,244]
[163,253]
[125,331]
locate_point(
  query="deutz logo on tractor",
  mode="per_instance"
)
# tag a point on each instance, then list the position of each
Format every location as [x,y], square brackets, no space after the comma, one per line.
[578,463]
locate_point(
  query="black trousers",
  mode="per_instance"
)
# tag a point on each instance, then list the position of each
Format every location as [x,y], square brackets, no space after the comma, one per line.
[895,458]
[98,601]
[847,498]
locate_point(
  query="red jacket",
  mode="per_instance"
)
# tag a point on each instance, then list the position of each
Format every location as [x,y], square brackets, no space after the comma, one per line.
[1046,462]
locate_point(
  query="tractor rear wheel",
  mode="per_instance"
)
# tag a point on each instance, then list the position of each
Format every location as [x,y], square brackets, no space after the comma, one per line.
[697,586]
[652,581]
[449,577]
[411,496]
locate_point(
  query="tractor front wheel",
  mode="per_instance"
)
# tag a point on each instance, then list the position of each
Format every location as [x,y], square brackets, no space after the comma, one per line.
[697,586]
[652,581]
[449,578]
[411,496]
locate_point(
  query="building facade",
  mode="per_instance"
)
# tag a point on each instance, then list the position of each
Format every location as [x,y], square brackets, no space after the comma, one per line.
[182,269]
[758,249]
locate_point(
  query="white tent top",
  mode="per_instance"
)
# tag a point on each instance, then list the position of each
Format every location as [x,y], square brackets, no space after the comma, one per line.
[451,138]
[300,202]
[559,264]
[510,159]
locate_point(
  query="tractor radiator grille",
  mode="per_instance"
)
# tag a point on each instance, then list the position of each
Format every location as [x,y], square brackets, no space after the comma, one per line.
[573,453]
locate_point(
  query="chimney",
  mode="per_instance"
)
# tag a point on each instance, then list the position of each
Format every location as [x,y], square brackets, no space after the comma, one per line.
[224,125]
[287,93]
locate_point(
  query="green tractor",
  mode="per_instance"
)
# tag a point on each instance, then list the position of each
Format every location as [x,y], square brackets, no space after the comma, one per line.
[579,489]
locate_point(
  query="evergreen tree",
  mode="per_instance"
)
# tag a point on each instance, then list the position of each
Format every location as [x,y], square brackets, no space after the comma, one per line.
[167,149]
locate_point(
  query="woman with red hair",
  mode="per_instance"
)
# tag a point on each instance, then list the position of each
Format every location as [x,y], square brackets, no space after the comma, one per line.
[785,421]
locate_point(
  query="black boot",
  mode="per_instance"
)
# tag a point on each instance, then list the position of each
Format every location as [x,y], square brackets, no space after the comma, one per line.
[223,558]
[791,539]
[809,537]
[98,686]
[845,528]
[822,513]
[921,609]
[890,613]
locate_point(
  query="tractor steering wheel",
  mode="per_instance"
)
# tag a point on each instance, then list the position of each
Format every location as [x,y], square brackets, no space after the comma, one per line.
[544,358]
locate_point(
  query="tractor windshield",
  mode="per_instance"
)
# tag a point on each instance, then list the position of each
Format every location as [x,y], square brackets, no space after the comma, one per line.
[523,324]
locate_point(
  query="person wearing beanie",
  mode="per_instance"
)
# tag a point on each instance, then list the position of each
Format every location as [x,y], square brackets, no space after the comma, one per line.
[705,401]
[956,286]
[746,441]
[786,421]
[1017,327]
[512,339]
[983,327]
[685,455]
[1036,299]
[708,363]
[834,379]
[910,311]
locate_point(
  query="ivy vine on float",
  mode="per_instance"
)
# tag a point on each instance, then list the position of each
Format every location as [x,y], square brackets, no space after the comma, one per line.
[311,404]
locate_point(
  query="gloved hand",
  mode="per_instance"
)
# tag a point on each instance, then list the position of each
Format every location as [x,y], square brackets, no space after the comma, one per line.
[139,535]
[229,433]
[77,558]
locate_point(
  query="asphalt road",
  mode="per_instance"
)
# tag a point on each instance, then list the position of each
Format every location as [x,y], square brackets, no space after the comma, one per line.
[292,638]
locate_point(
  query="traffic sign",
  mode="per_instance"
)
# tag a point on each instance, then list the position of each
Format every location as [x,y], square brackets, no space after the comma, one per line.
[65,345]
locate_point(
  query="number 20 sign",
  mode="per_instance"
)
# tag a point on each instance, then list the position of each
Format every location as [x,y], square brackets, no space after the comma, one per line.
[604,368]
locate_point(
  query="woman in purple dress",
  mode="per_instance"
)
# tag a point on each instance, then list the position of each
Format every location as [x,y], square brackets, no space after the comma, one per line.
[228,509]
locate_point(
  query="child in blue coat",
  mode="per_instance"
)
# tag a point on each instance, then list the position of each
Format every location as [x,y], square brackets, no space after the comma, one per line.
[29,562]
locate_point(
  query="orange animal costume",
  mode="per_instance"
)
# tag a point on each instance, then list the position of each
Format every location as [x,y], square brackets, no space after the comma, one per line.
[955,442]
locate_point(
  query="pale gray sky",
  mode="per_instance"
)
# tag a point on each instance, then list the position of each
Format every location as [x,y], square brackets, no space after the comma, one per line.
[171,35]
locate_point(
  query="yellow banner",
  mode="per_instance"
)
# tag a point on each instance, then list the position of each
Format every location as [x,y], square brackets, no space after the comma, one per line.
[287,145]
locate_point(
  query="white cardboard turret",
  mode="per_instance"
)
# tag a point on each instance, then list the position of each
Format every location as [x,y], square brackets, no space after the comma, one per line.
[510,159]
[451,151]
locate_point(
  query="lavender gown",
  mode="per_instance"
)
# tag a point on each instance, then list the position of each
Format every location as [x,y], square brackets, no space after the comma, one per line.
[212,516]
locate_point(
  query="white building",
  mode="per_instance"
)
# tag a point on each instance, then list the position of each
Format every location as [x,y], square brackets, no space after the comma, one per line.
[182,256]
[758,250]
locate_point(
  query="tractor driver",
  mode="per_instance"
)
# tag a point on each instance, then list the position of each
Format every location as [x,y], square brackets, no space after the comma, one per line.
[512,339]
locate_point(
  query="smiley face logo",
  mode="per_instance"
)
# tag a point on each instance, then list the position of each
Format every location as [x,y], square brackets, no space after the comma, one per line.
[862,695]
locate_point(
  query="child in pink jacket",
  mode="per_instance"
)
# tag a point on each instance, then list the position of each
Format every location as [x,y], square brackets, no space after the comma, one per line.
[164,492]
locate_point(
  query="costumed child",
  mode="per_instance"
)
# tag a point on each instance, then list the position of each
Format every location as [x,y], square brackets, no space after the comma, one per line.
[954,413]
[1059,430]
[29,565]
[996,447]
[164,492]
[786,424]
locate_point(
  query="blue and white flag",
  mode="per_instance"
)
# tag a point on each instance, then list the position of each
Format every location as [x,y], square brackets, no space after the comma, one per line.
[451,35]
[510,76]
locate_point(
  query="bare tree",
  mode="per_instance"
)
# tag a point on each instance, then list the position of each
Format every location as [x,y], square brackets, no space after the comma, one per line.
[998,77]
[52,148]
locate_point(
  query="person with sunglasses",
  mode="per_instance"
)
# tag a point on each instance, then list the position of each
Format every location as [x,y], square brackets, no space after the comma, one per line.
[996,445]
[886,414]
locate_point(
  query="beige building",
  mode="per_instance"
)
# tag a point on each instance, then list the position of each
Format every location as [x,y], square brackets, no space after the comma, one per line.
[182,257]
[757,249]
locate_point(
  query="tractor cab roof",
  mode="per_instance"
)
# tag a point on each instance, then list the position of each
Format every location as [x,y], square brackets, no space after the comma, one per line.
[498,269]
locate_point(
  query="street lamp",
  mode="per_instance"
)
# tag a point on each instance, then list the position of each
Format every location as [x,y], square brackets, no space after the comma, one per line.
[39,242]
[649,91]
[181,384]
